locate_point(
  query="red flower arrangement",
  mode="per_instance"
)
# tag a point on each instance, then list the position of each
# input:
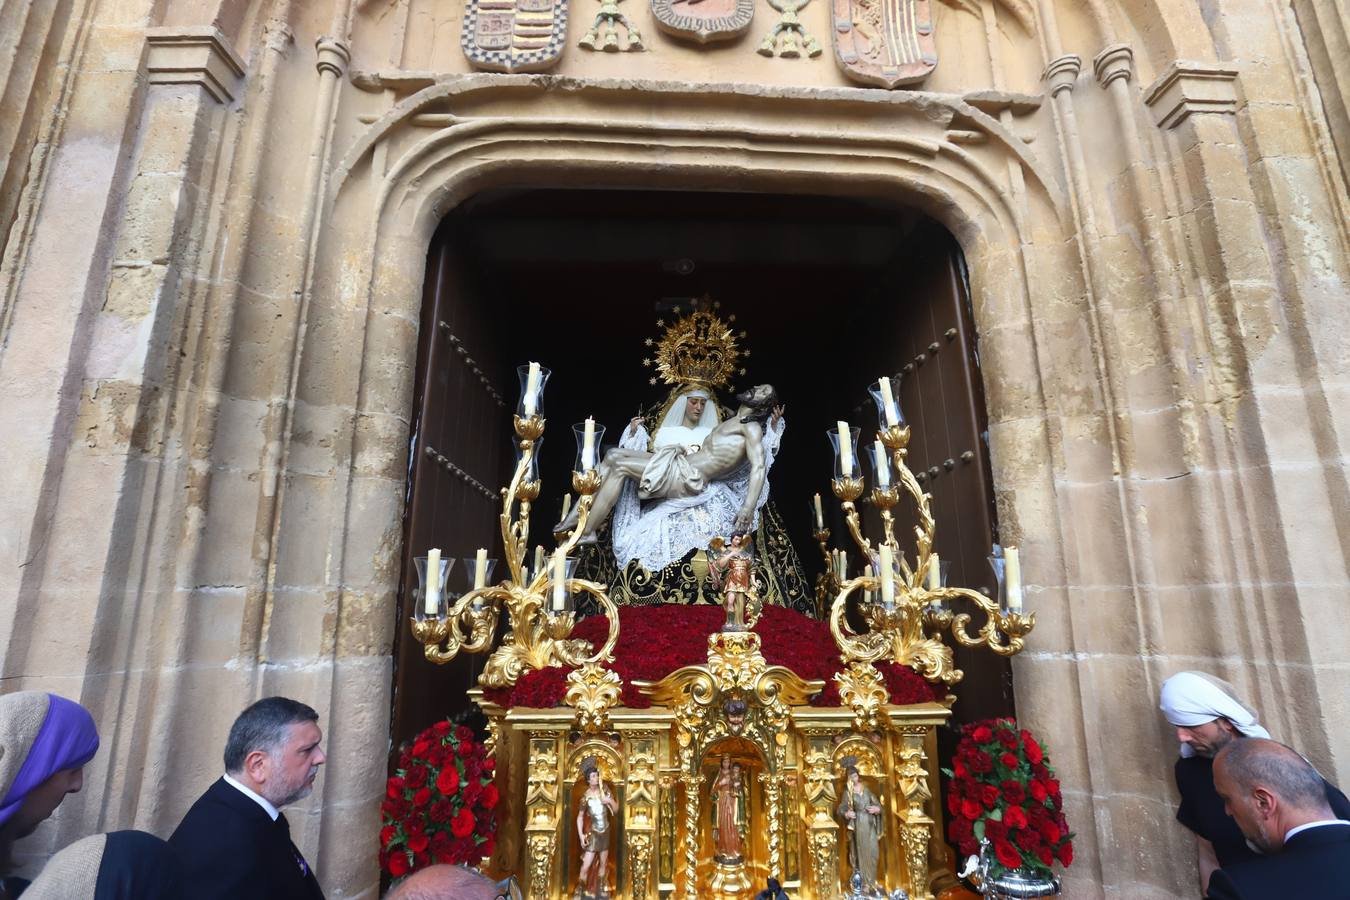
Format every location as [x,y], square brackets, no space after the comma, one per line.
[439,804]
[1002,788]
[656,640]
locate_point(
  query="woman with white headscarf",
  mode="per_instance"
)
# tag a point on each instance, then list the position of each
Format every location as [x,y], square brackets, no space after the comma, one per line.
[1208,715]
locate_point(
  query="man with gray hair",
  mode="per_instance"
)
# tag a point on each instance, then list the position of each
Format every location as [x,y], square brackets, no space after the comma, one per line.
[1280,802]
[234,843]
[453,883]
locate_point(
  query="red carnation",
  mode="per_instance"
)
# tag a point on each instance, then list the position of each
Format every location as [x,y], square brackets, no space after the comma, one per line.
[969,848]
[464,749]
[448,781]
[416,777]
[1015,817]
[462,824]
[1007,739]
[490,796]
[960,830]
[1045,855]
[988,795]
[954,803]
[971,810]
[420,748]
[398,864]
[441,812]
[981,763]
[441,728]
[463,734]
[982,734]
[421,798]
[1009,760]
[995,830]
[1034,752]
[395,788]
[1027,840]
[1007,854]
[959,769]
[418,843]
[1065,853]
[1038,791]
[1013,792]
[387,834]
[1050,831]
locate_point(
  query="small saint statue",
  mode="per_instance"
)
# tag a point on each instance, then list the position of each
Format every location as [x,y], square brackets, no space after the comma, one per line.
[861,812]
[732,572]
[594,818]
[729,813]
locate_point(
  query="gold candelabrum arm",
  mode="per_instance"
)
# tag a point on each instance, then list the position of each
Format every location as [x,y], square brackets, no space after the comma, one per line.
[908,630]
[538,637]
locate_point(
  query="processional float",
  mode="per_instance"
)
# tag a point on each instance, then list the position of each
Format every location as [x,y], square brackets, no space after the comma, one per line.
[733,736]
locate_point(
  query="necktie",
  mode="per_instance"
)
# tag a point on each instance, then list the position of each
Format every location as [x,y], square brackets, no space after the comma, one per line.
[285,828]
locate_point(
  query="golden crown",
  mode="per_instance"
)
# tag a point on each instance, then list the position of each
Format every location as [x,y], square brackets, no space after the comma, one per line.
[698,349]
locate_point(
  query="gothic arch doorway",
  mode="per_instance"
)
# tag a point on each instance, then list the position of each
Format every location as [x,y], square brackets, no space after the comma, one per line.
[831,292]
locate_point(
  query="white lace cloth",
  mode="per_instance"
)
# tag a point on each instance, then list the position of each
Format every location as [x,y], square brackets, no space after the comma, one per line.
[665,530]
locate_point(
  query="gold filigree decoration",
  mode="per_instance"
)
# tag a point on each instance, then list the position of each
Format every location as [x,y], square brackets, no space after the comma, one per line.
[698,350]
[862,689]
[541,864]
[640,861]
[592,690]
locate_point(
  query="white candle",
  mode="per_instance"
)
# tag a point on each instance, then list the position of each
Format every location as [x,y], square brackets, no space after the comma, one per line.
[1012,578]
[934,573]
[567,506]
[888,403]
[845,449]
[887,566]
[539,554]
[480,569]
[883,464]
[432,601]
[820,515]
[588,445]
[559,580]
[531,389]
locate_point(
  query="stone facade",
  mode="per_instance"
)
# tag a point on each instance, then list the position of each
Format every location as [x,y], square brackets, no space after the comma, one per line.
[215,219]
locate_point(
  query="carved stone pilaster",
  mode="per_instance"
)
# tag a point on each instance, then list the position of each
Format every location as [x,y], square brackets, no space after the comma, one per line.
[193,55]
[1062,73]
[1116,61]
[1192,88]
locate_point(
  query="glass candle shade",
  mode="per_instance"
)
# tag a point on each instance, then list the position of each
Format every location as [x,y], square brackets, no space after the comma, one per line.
[589,434]
[997,563]
[886,395]
[431,599]
[533,377]
[881,559]
[478,573]
[844,443]
[531,471]
[879,459]
[557,599]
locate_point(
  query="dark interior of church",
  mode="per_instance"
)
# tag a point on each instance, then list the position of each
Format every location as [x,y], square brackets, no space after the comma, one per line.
[830,292]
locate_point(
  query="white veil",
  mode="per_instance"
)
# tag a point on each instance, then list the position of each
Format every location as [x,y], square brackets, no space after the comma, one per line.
[672,429]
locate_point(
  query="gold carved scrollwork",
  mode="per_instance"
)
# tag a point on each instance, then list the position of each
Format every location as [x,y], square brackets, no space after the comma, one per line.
[640,861]
[916,827]
[862,688]
[592,690]
[825,860]
[541,864]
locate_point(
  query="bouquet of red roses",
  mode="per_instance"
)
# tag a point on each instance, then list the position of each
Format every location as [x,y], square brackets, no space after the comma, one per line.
[438,805]
[1002,788]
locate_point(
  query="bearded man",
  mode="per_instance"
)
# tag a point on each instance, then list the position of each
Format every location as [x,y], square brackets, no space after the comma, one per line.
[1208,716]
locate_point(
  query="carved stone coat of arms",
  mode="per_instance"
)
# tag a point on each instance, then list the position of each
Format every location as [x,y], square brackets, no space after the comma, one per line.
[514,35]
[884,42]
[704,21]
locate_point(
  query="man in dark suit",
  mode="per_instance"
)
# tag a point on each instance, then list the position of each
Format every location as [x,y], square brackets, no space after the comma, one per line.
[1280,803]
[234,842]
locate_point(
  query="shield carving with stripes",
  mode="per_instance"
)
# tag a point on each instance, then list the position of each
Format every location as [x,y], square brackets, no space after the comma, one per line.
[884,42]
[514,35]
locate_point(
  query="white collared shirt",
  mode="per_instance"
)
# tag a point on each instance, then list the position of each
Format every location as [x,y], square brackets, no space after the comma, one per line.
[1297,828]
[268,808]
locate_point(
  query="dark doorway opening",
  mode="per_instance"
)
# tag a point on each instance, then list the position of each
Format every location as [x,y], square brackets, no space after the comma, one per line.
[831,292]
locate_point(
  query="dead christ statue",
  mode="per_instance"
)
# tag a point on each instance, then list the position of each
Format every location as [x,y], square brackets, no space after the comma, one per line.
[677,471]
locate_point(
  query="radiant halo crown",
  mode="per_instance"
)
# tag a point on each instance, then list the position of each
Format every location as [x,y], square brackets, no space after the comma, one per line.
[698,349]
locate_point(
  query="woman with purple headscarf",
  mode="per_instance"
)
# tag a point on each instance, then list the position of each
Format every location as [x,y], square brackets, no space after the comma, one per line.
[45,742]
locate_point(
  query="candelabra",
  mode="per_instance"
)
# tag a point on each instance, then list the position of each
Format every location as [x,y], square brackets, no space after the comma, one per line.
[539,604]
[906,621]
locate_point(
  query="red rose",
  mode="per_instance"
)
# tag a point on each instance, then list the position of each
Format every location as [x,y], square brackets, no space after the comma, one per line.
[1015,817]
[398,864]
[1034,752]
[1028,840]
[1050,831]
[395,788]
[448,781]
[1007,854]
[1045,855]
[960,830]
[421,798]
[464,735]
[441,812]
[995,830]
[416,777]
[1007,739]
[1065,854]
[418,843]
[959,768]
[969,848]
[981,763]
[462,824]
[1038,791]
[971,810]
[464,749]
[420,748]
[490,796]
[982,734]
[441,729]
[1013,792]
[988,795]
[489,764]
[387,834]
[1052,785]
[954,803]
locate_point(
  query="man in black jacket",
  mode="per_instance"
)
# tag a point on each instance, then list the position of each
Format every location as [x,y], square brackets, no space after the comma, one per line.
[1280,803]
[234,842]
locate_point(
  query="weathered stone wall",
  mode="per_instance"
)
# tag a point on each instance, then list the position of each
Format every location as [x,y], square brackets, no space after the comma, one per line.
[216,218]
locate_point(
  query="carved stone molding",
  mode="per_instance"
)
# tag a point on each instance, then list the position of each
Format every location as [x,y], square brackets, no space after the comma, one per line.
[1062,73]
[194,55]
[1186,88]
[1116,61]
[333,56]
